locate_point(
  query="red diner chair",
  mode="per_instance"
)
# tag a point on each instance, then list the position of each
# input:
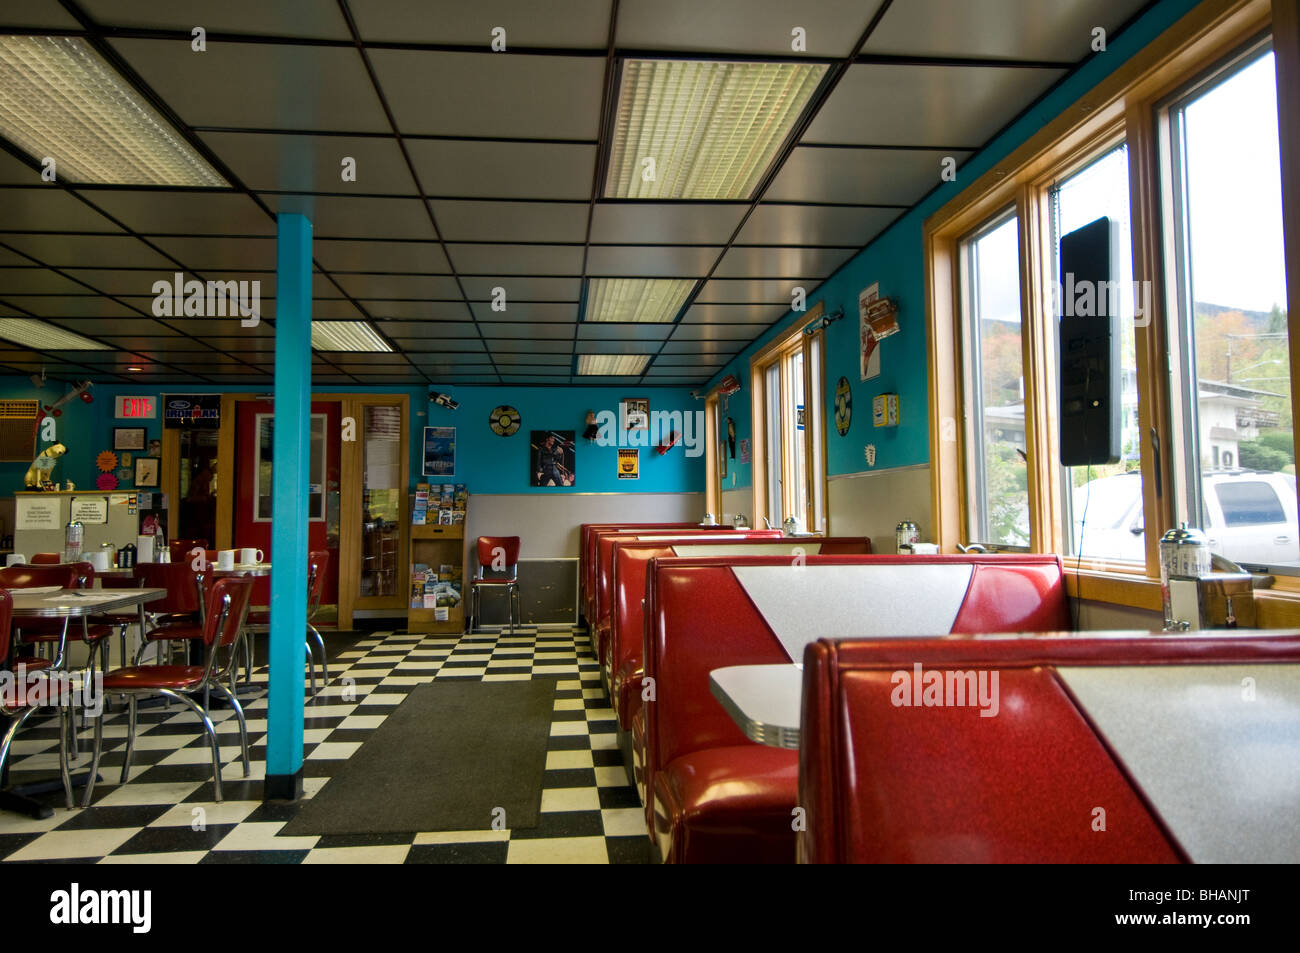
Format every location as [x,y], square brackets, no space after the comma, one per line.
[227,606]
[180,548]
[318,561]
[19,714]
[52,632]
[498,555]
[178,616]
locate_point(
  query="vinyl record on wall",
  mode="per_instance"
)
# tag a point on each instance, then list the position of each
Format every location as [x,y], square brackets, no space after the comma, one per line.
[504,421]
[843,406]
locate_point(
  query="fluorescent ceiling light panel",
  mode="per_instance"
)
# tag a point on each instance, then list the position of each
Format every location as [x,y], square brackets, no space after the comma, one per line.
[346,336]
[712,128]
[61,99]
[33,333]
[612,365]
[639,300]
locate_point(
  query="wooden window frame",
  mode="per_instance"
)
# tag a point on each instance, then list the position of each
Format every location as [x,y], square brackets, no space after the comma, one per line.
[1122,107]
[781,350]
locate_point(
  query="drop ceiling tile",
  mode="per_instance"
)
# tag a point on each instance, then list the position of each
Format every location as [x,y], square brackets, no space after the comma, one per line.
[803,263]
[154,212]
[868,176]
[665,261]
[50,209]
[939,106]
[316,20]
[304,163]
[649,333]
[348,360]
[11,259]
[1011,29]
[70,306]
[525,311]
[650,223]
[516,259]
[536,379]
[687,360]
[419,310]
[750,290]
[348,217]
[511,346]
[719,348]
[743,26]
[519,290]
[585,23]
[432,330]
[419,348]
[518,362]
[36,281]
[207,330]
[503,170]
[618,347]
[420,287]
[424,258]
[487,94]
[551,330]
[88,251]
[39,15]
[753,314]
[511,221]
[716,332]
[220,254]
[814,225]
[260,85]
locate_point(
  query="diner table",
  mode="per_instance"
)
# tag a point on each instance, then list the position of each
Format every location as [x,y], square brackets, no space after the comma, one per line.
[764,700]
[67,604]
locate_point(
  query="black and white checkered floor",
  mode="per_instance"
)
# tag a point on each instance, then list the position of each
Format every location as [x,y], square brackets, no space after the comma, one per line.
[165,813]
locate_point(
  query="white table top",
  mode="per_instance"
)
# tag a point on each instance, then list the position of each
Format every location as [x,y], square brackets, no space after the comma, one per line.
[764,700]
[78,602]
[239,569]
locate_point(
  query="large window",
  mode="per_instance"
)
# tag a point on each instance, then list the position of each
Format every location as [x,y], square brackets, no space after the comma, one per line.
[995,387]
[1232,376]
[1191,150]
[1103,504]
[789,412]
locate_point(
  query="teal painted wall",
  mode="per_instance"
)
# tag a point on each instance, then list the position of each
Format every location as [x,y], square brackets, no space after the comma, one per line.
[895,259]
[486,463]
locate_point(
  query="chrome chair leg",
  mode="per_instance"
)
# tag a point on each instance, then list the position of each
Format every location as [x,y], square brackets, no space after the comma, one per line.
[243,729]
[209,728]
[311,667]
[65,722]
[14,725]
[324,659]
[94,760]
[130,738]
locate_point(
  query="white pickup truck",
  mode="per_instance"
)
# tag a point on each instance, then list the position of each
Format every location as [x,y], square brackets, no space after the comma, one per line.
[1250,516]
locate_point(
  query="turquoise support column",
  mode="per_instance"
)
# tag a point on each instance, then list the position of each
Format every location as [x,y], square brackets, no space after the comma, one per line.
[292,455]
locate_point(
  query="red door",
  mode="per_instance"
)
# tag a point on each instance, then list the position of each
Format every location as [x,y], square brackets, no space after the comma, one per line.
[254,438]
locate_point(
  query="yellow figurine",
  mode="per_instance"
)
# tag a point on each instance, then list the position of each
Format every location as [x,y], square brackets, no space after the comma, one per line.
[38,474]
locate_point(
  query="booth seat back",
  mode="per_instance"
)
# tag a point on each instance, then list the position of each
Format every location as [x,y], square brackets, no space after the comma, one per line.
[628,586]
[707,613]
[592,550]
[1088,748]
[587,554]
[599,619]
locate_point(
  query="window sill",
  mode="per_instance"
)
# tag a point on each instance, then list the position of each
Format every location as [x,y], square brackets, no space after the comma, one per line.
[1276,608]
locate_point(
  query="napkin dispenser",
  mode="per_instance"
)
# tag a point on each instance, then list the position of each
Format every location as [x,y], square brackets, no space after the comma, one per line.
[1217,600]
[126,557]
[144,549]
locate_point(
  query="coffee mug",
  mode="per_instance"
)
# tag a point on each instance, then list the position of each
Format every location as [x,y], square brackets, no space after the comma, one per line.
[226,559]
[15,559]
[99,559]
[250,557]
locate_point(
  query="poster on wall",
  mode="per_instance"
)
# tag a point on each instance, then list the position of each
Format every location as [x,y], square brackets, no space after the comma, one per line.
[629,464]
[552,458]
[37,513]
[870,344]
[439,451]
[88,509]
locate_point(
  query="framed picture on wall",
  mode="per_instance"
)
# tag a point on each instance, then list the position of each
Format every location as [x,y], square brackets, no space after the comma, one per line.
[636,413]
[128,438]
[146,471]
[552,458]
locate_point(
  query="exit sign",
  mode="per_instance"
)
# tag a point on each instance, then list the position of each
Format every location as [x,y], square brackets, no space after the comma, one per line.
[137,408]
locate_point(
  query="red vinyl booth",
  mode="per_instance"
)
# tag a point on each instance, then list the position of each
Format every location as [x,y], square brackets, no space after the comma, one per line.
[587,551]
[886,782]
[711,794]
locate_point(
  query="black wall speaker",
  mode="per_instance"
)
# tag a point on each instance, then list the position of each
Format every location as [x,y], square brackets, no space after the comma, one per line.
[1090,363]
